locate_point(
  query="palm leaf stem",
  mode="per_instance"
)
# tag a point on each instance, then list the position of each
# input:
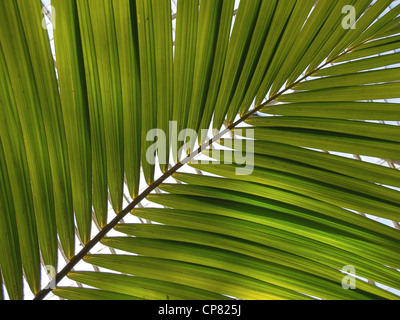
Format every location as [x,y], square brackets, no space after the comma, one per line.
[153,186]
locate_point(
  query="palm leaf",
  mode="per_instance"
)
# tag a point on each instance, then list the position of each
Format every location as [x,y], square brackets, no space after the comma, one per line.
[284,205]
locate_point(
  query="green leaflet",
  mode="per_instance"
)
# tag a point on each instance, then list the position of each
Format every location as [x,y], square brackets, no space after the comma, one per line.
[283,221]
[279,199]
[302,43]
[148,84]
[97,135]
[380,25]
[165,77]
[28,105]
[352,93]
[18,170]
[292,203]
[207,36]
[264,237]
[218,63]
[337,110]
[46,83]
[74,130]
[194,275]
[141,288]
[324,140]
[290,35]
[321,41]
[71,78]
[359,65]
[364,129]
[369,50]
[371,13]
[347,166]
[90,294]
[239,43]
[184,67]
[10,256]
[337,35]
[269,23]
[359,78]
[286,277]
[106,46]
[312,189]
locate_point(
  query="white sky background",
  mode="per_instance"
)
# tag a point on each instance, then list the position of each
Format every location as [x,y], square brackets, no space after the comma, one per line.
[83,266]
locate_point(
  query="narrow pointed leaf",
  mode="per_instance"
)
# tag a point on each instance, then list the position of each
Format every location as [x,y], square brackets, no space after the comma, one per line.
[184,65]
[17,168]
[164,71]
[142,288]
[19,64]
[338,110]
[90,294]
[148,84]
[105,44]
[10,256]
[98,144]
[73,95]
[236,55]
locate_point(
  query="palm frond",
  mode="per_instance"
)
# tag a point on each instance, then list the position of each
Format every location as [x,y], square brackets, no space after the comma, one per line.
[291,96]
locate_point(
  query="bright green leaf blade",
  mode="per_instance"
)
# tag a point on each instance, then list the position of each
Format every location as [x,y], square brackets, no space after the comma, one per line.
[145,21]
[207,37]
[368,51]
[229,243]
[321,40]
[359,78]
[280,199]
[371,13]
[105,44]
[19,64]
[165,77]
[269,237]
[338,110]
[17,169]
[269,23]
[239,44]
[218,64]
[378,26]
[99,163]
[126,28]
[46,82]
[283,221]
[194,275]
[184,67]
[364,129]
[360,65]
[286,277]
[90,294]
[290,35]
[337,218]
[371,92]
[313,189]
[10,256]
[346,166]
[303,42]
[71,79]
[330,141]
[339,32]
[142,288]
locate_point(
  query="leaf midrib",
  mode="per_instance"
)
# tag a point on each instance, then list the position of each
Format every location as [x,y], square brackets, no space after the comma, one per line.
[103,232]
